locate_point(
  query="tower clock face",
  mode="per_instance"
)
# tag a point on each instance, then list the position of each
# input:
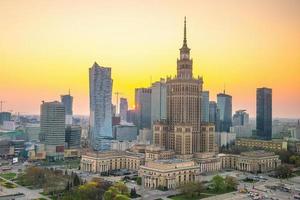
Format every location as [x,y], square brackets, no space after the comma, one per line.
[184,56]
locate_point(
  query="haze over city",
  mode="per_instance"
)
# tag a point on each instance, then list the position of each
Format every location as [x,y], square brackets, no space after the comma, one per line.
[47,47]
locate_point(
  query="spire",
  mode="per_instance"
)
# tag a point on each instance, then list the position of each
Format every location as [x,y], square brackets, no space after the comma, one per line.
[184,34]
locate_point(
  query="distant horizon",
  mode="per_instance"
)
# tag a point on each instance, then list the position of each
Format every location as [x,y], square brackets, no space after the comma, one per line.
[47,49]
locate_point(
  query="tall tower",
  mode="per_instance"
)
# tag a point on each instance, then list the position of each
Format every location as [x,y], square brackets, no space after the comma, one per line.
[67,101]
[183,102]
[100,107]
[264,113]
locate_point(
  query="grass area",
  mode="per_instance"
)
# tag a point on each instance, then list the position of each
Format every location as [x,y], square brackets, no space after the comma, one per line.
[7,184]
[8,176]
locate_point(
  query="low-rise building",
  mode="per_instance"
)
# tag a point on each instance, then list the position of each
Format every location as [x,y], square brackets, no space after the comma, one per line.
[154,152]
[208,162]
[252,161]
[98,162]
[168,173]
[263,144]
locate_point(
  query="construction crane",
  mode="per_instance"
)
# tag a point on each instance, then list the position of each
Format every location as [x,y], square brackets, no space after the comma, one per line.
[1,104]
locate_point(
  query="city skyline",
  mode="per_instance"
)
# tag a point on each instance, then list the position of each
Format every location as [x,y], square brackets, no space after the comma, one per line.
[266,51]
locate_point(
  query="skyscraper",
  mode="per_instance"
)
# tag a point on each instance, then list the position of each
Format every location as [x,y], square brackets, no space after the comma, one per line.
[224,102]
[4,116]
[72,137]
[240,118]
[158,101]
[264,113]
[205,106]
[100,107]
[181,131]
[53,129]
[214,115]
[67,101]
[123,109]
[143,107]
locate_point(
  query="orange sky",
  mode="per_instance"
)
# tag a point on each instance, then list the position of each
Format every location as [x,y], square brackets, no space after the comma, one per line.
[46,47]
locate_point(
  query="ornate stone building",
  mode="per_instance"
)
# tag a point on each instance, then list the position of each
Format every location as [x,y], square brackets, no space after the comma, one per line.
[252,161]
[181,131]
[169,173]
[98,162]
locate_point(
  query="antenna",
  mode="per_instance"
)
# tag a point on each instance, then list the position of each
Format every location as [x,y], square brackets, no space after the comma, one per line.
[224,90]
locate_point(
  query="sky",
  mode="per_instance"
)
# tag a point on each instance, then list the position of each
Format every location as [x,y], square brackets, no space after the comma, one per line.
[47,47]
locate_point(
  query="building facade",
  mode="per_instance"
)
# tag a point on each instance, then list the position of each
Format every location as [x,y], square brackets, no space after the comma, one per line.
[143,107]
[72,137]
[98,162]
[264,113]
[125,132]
[240,118]
[158,101]
[53,129]
[123,109]
[100,107]
[67,101]
[253,161]
[168,174]
[262,144]
[205,106]
[224,102]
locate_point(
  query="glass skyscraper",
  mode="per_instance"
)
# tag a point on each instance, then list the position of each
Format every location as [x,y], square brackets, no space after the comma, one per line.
[264,113]
[143,107]
[205,106]
[224,102]
[100,107]
[158,101]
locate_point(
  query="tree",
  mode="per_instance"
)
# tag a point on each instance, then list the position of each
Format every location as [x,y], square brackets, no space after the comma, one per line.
[117,192]
[133,193]
[191,189]
[231,183]
[76,180]
[139,180]
[218,184]
[122,197]
[283,171]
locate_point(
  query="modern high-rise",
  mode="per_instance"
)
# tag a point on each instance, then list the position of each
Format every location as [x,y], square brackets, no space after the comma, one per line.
[181,130]
[72,137]
[100,107]
[264,113]
[205,106]
[224,102]
[158,101]
[123,109]
[67,101]
[53,129]
[240,118]
[213,110]
[4,116]
[143,107]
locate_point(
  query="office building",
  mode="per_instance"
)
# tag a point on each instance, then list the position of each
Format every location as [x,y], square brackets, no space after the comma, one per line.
[123,109]
[207,138]
[72,137]
[224,139]
[264,113]
[67,101]
[131,116]
[100,107]
[125,132]
[205,106]
[158,101]
[214,115]
[4,116]
[224,102]
[145,136]
[143,107]
[53,129]
[240,118]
